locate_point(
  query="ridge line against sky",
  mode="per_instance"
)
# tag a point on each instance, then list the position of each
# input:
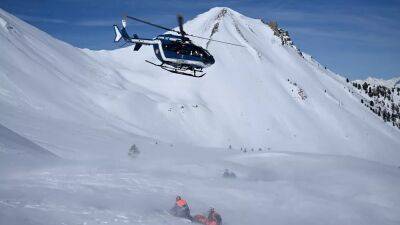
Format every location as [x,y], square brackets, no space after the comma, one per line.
[354,38]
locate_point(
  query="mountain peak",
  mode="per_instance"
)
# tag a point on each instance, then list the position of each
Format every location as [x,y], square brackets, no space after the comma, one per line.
[222,13]
[230,25]
[219,13]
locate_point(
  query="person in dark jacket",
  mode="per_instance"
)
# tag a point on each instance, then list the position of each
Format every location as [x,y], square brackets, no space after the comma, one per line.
[181,208]
[213,216]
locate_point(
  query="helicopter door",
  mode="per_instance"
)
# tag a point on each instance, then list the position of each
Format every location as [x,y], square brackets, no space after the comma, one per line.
[170,50]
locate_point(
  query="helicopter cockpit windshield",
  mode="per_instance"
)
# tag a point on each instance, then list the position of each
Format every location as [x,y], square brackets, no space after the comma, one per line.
[185,49]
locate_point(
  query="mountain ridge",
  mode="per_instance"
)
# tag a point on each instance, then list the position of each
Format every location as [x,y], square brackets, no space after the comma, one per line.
[390,82]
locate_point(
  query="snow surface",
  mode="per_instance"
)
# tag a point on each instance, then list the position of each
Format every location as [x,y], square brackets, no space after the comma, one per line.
[17,152]
[324,159]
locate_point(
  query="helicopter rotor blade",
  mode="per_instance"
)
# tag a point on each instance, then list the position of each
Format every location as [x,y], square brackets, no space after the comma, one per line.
[223,42]
[181,31]
[151,24]
[180,22]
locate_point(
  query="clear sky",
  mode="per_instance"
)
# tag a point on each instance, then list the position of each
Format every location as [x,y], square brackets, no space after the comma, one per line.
[352,37]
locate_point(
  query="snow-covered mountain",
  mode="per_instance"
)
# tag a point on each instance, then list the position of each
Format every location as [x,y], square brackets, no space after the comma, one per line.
[249,98]
[300,120]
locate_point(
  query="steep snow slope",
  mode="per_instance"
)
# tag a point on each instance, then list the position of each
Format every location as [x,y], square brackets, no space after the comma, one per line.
[48,88]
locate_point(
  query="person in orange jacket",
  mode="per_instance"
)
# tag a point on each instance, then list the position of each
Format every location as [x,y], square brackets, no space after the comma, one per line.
[181,208]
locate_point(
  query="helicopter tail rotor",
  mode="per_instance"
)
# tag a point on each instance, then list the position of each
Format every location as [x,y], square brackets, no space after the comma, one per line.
[118,34]
[122,33]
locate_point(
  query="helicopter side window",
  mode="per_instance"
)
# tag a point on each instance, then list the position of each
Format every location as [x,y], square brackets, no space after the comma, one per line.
[184,51]
[170,47]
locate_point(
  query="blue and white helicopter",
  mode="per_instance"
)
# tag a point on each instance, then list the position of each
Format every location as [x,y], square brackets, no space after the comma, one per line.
[177,53]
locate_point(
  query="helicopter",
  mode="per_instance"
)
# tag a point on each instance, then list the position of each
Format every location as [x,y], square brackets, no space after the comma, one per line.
[176,52]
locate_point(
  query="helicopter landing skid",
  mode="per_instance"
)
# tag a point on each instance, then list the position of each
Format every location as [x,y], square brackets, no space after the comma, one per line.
[177,70]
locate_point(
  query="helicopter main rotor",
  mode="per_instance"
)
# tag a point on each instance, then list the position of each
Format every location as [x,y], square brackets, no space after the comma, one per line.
[180,23]
[181,31]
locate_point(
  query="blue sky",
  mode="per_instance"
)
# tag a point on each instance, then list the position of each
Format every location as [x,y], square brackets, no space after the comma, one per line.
[352,37]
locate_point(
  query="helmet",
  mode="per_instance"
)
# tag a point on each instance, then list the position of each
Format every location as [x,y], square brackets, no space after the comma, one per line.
[178,198]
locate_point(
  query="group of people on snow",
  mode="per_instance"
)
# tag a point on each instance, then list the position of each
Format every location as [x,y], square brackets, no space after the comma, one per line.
[181,209]
[228,174]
